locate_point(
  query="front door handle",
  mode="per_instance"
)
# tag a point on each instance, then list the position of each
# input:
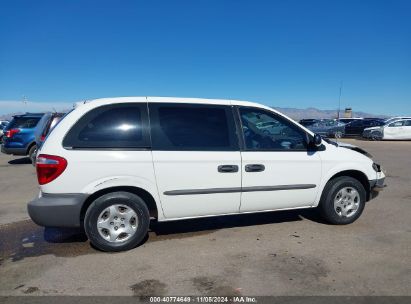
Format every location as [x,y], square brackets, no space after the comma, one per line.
[254,168]
[227,168]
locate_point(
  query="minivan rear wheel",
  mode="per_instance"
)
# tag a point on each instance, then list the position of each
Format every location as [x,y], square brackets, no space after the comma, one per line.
[343,200]
[117,221]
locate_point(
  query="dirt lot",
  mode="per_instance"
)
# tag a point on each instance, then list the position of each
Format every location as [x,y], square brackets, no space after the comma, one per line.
[281,253]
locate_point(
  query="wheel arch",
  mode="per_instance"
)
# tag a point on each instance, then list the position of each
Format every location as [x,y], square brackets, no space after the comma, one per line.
[358,175]
[30,146]
[144,194]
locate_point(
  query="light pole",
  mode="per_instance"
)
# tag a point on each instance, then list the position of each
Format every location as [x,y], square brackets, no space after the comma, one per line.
[339,101]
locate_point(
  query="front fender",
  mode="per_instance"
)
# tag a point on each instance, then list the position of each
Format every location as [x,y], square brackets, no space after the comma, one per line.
[330,171]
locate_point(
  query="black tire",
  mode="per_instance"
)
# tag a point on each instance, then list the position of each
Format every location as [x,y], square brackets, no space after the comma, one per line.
[330,192]
[32,154]
[125,198]
[376,135]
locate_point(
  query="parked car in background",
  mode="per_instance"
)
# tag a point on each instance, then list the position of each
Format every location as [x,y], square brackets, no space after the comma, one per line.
[1,133]
[307,122]
[4,123]
[270,127]
[356,127]
[19,136]
[396,118]
[43,128]
[348,120]
[328,128]
[399,129]
[113,164]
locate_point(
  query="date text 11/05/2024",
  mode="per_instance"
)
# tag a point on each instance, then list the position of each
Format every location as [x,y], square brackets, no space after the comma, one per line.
[203,299]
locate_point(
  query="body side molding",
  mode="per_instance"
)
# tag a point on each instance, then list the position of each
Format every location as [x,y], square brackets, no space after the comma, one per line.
[239,189]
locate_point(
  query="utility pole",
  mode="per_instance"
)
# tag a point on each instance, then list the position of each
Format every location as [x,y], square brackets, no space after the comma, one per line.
[339,101]
[25,101]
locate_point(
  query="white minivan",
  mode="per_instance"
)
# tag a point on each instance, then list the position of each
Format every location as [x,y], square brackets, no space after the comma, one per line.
[113,164]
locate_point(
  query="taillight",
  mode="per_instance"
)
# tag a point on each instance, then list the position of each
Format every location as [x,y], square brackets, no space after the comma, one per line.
[49,167]
[43,137]
[10,133]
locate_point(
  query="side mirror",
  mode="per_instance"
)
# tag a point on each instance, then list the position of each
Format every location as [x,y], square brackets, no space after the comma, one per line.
[317,140]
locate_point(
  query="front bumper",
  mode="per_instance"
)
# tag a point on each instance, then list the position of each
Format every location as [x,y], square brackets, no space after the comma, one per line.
[378,184]
[57,210]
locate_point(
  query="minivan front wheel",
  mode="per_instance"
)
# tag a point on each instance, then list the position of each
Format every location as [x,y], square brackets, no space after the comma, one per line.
[343,200]
[117,221]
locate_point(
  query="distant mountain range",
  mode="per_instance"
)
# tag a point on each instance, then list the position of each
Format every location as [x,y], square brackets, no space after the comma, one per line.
[294,113]
[298,114]
[9,116]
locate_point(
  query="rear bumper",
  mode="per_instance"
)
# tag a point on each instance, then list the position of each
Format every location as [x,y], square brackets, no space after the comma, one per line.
[15,151]
[57,210]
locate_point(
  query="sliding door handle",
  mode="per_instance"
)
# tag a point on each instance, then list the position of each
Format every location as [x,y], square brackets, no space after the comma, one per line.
[254,168]
[227,168]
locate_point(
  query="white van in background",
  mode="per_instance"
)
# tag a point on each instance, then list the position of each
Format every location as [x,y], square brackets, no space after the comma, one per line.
[393,129]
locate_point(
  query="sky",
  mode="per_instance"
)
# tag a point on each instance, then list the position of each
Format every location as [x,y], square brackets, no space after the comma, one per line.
[282,53]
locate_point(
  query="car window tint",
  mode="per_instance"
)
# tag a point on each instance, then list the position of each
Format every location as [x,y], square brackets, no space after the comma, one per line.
[407,123]
[192,127]
[283,135]
[113,126]
[24,122]
[356,123]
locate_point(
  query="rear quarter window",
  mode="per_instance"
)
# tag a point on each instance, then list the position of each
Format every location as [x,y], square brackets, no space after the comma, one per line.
[113,126]
[24,122]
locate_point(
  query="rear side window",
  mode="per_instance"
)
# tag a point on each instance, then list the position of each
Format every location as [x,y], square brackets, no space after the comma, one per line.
[113,126]
[356,123]
[192,127]
[23,122]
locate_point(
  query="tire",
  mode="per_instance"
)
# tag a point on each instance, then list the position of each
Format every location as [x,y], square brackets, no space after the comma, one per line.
[338,135]
[108,239]
[32,154]
[338,207]
[375,136]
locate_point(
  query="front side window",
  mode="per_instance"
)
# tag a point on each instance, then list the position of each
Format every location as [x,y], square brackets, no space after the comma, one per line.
[396,124]
[264,130]
[112,126]
[192,127]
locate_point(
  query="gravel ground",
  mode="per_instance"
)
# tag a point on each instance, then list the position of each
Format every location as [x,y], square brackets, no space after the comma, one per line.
[278,253]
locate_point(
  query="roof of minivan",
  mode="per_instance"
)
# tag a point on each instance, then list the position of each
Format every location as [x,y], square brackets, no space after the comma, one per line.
[103,101]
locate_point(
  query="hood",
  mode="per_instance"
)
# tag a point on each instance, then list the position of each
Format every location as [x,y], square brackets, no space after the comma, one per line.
[347,146]
[372,128]
[354,148]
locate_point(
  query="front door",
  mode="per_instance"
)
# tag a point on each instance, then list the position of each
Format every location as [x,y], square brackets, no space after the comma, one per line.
[407,129]
[196,159]
[394,130]
[354,128]
[278,170]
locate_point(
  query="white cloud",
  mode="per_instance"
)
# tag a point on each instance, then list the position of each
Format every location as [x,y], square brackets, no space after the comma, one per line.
[13,106]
